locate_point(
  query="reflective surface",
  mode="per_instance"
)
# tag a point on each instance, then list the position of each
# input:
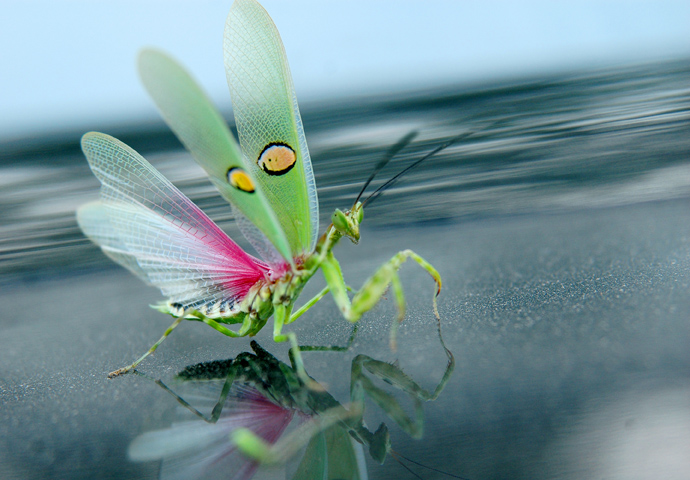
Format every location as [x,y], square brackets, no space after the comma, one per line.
[235,412]
[561,229]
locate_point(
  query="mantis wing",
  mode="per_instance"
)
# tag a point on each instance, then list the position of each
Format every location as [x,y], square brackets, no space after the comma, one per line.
[200,450]
[147,225]
[332,454]
[269,123]
[199,126]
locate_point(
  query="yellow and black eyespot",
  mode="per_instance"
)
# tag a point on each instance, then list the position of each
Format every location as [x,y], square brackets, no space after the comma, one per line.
[277,158]
[239,179]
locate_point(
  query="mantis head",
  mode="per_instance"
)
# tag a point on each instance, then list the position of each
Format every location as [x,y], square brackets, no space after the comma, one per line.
[347,223]
[380,444]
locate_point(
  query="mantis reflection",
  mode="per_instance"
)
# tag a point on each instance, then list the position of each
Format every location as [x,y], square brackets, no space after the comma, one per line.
[259,397]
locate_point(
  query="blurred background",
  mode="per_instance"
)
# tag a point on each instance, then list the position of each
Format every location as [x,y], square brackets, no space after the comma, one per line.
[560,225]
[72,64]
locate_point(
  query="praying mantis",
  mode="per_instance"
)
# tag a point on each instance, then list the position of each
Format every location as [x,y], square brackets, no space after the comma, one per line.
[143,222]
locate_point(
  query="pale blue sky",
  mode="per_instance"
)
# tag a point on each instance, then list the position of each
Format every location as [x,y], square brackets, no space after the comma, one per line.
[71,64]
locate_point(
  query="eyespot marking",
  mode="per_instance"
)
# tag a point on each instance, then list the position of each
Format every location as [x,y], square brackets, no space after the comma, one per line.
[239,179]
[277,159]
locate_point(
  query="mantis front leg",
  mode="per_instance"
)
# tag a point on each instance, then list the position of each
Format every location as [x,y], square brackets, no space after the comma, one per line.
[374,288]
[360,385]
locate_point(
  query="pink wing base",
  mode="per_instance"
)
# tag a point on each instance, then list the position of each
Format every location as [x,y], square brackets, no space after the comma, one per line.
[201,450]
[146,224]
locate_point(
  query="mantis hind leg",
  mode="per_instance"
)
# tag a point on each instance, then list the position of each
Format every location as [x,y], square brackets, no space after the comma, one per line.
[153,348]
[218,406]
[246,324]
[374,288]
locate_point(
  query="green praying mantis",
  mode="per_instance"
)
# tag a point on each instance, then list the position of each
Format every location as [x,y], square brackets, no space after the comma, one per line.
[143,222]
[259,397]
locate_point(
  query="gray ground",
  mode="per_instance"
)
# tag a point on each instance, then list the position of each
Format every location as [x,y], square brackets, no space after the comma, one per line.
[570,333]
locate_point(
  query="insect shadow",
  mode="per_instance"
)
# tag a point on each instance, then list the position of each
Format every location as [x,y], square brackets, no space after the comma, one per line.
[265,414]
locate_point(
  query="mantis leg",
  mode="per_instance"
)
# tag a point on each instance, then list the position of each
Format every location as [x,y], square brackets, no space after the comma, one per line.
[301,310]
[374,287]
[393,375]
[246,324]
[322,348]
[332,348]
[153,348]
[217,408]
[361,385]
[280,314]
[295,315]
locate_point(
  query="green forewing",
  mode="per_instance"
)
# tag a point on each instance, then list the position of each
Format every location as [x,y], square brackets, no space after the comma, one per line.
[266,113]
[314,463]
[202,130]
[332,455]
[345,456]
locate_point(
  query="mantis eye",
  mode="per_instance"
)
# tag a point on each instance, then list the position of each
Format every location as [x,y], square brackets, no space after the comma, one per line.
[360,215]
[339,221]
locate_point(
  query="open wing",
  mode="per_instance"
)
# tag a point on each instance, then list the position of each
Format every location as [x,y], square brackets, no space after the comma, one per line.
[199,126]
[200,450]
[147,225]
[332,454]
[269,123]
